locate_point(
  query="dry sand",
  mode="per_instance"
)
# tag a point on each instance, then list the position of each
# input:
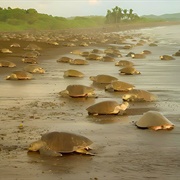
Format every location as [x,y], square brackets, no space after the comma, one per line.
[122,151]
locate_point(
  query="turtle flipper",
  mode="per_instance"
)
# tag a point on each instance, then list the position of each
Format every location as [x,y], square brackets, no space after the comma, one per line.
[84,151]
[48,152]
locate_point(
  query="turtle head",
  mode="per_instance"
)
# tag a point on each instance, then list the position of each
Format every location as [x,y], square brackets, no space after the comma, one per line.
[137,72]
[41,70]
[124,105]
[35,146]
[64,93]
[92,78]
[109,87]
[12,76]
[129,97]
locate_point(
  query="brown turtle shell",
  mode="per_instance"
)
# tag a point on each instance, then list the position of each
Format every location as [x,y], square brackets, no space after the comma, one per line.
[153,119]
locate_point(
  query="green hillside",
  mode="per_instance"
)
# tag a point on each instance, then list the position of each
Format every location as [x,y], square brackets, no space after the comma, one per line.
[167,17]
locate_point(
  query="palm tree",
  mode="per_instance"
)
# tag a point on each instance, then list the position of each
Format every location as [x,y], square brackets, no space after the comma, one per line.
[130,14]
[116,15]
[125,15]
[108,16]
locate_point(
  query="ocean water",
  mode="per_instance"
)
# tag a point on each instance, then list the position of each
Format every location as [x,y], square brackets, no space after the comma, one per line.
[168,35]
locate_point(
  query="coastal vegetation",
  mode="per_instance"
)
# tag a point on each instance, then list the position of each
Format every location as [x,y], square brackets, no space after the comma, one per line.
[16,19]
[118,15]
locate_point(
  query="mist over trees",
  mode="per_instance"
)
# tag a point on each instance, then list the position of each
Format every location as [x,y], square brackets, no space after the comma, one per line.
[117,15]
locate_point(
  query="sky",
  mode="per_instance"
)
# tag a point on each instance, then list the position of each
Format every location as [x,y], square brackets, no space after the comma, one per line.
[70,8]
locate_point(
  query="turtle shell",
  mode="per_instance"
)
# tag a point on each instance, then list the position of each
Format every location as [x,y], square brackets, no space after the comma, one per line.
[104,107]
[65,142]
[94,57]
[79,90]
[65,59]
[108,59]
[177,53]
[119,86]
[33,47]
[129,70]
[20,75]
[79,62]
[30,60]
[138,56]
[103,79]
[124,63]
[33,68]
[139,95]
[73,73]
[153,119]
[98,51]
[32,54]
[5,63]
[76,52]
[166,57]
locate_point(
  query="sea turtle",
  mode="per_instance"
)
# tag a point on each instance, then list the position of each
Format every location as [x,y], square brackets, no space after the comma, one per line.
[94,57]
[97,51]
[166,57]
[77,91]
[33,68]
[153,44]
[102,78]
[146,52]
[127,46]
[130,54]
[51,42]
[32,54]
[139,95]
[73,73]
[5,63]
[177,53]
[6,51]
[15,45]
[108,58]
[69,44]
[107,107]
[76,52]
[129,70]
[32,47]
[56,143]
[139,44]
[85,53]
[154,120]
[84,44]
[78,62]
[64,59]
[124,63]
[113,52]
[119,86]
[30,60]
[19,75]
[138,56]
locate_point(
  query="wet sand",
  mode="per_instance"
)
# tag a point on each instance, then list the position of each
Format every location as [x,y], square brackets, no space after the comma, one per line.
[122,151]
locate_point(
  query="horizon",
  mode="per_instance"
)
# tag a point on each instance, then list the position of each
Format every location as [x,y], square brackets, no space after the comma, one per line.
[62,8]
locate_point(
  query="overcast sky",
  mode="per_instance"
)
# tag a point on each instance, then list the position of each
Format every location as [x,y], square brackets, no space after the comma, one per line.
[68,8]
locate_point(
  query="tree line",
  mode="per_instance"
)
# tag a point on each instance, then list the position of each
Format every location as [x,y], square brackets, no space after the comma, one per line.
[25,19]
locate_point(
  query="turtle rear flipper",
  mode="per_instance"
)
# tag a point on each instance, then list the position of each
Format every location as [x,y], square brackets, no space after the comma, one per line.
[48,152]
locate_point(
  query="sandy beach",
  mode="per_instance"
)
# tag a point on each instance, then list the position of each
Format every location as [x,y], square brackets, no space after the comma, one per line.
[30,108]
